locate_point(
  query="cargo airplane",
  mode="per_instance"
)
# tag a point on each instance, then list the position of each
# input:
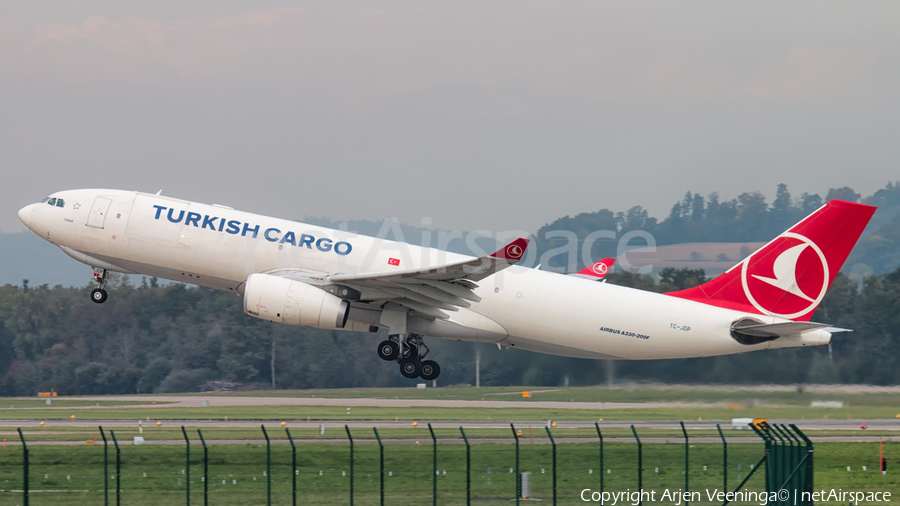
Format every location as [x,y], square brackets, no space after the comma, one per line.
[300,274]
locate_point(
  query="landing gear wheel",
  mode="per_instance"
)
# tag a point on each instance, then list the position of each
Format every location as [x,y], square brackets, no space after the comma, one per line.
[410,368]
[430,370]
[98,295]
[410,351]
[388,350]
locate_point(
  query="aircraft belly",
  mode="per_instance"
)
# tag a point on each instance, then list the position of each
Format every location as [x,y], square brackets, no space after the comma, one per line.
[205,279]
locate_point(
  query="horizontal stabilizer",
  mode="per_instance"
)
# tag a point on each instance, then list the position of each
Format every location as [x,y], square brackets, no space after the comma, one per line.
[777,329]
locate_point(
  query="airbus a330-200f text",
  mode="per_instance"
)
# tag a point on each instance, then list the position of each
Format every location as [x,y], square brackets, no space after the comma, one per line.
[300,274]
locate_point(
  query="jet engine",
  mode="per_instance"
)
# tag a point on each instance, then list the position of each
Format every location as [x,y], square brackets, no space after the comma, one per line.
[283,300]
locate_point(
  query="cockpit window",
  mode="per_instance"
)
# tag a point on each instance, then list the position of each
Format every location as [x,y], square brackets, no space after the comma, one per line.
[60,203]
[51,202]
[45,200]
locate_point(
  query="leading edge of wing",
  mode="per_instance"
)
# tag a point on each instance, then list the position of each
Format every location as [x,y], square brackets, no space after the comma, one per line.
[474,269]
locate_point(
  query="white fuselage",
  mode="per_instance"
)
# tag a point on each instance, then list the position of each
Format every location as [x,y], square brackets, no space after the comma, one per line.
[219,247]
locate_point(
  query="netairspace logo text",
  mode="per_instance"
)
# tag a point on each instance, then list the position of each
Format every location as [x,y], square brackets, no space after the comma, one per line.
[676,497]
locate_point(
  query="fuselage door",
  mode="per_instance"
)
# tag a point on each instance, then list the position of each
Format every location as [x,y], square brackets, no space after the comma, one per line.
[98,212]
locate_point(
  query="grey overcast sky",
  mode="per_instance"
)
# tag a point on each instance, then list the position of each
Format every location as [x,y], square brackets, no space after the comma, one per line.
[481,115]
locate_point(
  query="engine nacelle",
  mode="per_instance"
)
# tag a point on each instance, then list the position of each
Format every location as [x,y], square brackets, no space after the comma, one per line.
[292,302]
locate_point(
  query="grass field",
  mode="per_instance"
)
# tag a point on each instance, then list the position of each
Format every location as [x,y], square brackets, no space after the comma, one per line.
[170,432]
[237,473]
[747,396]
[56,402]
[156,473]
[708,403]
[329,413]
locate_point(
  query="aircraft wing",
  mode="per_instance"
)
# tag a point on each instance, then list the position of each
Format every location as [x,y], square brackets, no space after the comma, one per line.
[433,290]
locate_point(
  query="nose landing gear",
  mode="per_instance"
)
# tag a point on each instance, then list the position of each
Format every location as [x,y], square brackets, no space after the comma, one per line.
[409,353]
[98,294]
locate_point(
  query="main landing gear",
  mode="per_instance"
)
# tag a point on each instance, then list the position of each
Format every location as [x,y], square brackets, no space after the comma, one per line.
[410,358]
[98,294]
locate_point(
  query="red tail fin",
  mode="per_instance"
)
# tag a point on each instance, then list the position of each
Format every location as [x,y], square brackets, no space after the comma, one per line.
[789,276]
[599,269]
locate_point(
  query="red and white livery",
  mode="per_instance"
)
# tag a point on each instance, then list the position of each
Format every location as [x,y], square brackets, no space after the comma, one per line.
[596,272]
[300,274]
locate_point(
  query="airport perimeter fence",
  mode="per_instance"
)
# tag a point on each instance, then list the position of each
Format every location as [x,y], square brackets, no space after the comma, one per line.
[362,467]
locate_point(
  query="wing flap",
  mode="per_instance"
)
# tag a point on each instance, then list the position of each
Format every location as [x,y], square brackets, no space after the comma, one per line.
[461,290]
[438,294]
[411,295]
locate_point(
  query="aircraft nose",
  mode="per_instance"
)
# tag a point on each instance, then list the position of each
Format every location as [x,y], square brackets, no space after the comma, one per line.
[25,214]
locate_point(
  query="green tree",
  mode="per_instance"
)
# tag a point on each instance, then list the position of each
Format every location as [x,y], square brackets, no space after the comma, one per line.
[843,193]
[810,202]
[672,279]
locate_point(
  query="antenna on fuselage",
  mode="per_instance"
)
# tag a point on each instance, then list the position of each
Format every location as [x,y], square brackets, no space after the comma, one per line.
[159,192]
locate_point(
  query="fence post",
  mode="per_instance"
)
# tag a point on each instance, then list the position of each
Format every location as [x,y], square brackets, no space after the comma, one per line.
[268,466]
[350,437]
[797,451]
[553,445]
[782,455]
[640,467]
[468,469]
[434,466]
[24,468]
[187,467]
[602,469]
[809,466]
[293,468]
[380,464]
[518,478]
[105,468]
[205,469]
[724,459]
[118,468]
[763,432]
[687,460]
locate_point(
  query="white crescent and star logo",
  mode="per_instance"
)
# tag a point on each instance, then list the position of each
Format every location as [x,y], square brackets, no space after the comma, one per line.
[514,251]
[600,268]
[774,284]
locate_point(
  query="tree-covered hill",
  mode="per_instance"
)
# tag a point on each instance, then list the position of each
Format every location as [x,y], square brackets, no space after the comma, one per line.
[746,218]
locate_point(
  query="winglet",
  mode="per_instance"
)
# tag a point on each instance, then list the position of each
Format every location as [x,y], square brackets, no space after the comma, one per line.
[599,269]
[513,251]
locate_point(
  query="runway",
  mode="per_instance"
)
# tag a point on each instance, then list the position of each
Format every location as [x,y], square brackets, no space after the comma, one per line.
[365,427]
[871,425]
[366,437]
[196,401]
